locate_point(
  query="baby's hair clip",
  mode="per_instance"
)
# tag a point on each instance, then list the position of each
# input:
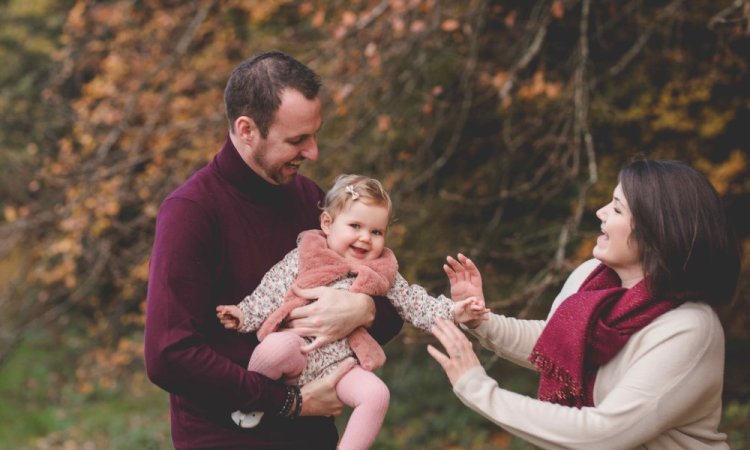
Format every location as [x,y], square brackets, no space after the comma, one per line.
[350,190]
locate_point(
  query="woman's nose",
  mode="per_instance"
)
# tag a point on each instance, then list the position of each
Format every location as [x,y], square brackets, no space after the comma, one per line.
[601,214]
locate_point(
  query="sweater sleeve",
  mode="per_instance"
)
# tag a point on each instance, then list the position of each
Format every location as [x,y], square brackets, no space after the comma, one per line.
[514,339]
[179,307]
[510,338]
[270,293]
[416,306]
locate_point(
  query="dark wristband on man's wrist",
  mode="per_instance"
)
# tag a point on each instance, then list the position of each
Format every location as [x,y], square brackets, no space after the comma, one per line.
[292,403]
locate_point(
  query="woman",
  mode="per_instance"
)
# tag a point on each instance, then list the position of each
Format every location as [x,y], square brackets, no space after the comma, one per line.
[632,351]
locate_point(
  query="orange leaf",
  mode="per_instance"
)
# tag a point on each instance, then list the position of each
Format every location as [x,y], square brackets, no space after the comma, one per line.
[557,9]
[450,25]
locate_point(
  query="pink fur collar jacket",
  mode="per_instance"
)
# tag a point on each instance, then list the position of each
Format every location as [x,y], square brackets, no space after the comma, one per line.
[320,266]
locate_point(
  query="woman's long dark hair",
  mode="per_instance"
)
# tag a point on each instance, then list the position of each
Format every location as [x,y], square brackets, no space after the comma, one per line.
[688,250]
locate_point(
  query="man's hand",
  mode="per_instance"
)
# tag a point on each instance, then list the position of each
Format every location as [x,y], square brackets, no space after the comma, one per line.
[319,396]
[465,279]
[333,316]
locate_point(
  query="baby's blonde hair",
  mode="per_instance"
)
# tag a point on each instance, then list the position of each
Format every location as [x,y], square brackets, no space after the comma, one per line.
[350,188]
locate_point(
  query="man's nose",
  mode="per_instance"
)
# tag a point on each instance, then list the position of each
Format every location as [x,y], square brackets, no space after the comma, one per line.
[311,150]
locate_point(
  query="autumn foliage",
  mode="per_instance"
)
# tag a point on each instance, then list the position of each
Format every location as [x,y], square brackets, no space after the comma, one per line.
[498,127]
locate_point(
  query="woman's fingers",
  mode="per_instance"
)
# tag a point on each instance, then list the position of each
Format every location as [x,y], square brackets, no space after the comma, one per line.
[438,355]
[459,356]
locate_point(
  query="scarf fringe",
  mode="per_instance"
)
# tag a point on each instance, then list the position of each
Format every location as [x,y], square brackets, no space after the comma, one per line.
[568,391]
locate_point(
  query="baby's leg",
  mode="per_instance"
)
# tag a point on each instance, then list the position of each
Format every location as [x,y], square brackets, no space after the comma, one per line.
[279,356]
[369,396]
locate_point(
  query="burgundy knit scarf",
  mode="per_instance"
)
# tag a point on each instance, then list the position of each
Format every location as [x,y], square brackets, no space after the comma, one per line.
[586,331]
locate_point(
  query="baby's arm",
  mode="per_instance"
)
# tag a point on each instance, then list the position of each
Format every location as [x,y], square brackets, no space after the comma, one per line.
[417,307]
[253,310]
[466,291]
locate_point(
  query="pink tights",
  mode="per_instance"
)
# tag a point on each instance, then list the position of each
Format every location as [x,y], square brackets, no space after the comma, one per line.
[279,356]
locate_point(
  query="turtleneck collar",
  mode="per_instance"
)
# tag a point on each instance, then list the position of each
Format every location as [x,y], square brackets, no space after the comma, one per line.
[230,166]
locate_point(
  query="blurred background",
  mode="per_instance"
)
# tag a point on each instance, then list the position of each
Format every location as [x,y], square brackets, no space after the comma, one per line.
[498,126]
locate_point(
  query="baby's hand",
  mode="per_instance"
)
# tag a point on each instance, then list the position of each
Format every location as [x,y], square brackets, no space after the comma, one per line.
[230,316]
[470,312]
[465,279]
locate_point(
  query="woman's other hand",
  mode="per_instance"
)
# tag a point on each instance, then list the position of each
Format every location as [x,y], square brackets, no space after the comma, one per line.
[459,356]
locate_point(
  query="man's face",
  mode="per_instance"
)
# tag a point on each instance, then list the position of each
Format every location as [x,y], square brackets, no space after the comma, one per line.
[290,141]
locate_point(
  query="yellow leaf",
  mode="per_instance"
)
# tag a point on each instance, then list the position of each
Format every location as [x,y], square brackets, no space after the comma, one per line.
[10,214]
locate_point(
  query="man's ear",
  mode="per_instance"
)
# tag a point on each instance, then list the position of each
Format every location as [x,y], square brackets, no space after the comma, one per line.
[246,130]
[325,222]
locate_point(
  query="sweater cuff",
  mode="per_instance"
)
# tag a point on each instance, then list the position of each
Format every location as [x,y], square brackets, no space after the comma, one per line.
[464,381]
[479,331]
[271,400]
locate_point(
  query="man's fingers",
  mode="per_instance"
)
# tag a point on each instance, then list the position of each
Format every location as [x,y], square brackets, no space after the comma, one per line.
[308,293]
[300,312]
[318,342]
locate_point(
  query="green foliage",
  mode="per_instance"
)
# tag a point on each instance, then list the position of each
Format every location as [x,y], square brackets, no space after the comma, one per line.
[736,420]
[49,403]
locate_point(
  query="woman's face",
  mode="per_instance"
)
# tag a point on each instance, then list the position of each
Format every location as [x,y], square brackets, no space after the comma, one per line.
[614,247]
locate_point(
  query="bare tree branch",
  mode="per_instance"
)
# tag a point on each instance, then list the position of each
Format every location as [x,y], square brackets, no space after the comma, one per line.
[637,47]
[466,77]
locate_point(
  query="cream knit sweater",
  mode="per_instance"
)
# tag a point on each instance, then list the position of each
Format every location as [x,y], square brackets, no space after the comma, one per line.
[661,391]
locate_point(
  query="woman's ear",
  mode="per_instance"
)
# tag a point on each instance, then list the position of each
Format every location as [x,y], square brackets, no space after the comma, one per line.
[325,222]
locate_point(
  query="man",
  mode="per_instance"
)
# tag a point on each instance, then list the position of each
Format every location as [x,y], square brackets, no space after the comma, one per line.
[216,236]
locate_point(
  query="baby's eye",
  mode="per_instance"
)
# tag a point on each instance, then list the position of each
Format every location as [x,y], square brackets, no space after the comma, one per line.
[377,232]
[354,225]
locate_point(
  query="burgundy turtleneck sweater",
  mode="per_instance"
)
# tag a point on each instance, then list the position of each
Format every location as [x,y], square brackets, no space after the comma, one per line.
[216,236]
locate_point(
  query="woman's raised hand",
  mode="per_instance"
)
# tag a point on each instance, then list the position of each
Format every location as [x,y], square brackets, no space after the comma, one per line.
[465,279]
